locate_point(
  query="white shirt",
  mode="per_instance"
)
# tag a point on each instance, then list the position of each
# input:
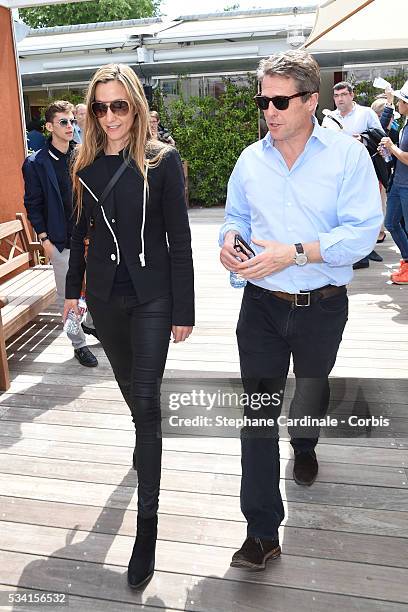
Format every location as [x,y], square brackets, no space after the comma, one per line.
[360,119]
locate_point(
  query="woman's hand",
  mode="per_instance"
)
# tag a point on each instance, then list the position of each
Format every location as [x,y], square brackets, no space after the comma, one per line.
[181,332]
[70,305]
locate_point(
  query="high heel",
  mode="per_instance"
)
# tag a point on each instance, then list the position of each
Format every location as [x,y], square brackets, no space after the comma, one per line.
[141,564]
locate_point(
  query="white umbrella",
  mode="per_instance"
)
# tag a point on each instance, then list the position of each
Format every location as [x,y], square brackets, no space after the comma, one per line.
[343,25]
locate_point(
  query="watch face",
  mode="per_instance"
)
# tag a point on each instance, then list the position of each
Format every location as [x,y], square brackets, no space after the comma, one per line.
[301,259]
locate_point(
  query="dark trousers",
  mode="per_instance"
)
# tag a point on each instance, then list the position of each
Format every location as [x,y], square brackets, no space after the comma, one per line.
[135,338]
[270,330]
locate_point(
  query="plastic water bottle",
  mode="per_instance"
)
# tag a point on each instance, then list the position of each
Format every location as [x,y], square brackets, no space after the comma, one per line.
[73,322]
[387,157]
[236,280]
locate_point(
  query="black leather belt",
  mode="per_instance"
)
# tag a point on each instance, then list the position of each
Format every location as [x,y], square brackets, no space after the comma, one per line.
[304,298]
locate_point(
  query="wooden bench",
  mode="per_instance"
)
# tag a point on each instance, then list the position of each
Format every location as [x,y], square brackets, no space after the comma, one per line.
[26,294]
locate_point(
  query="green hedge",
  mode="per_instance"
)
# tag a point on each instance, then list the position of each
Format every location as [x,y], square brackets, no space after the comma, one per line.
[210,134]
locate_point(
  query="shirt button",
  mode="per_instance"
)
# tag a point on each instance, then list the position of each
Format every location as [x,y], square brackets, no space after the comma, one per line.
[113,221]
[113,257]
[289,204]
[290,229]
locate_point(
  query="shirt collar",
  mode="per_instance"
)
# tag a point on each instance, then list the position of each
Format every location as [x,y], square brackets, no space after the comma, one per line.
[56,153]
[318,133]
[353,110]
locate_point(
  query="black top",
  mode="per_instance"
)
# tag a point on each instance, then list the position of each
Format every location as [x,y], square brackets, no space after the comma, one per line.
[167,239]
[60,162]
[122,283]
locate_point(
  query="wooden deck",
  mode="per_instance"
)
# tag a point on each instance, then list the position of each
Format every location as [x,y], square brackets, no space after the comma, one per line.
[67,492]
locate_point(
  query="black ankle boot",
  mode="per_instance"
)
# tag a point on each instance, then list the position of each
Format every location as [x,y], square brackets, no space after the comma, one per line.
[141,564]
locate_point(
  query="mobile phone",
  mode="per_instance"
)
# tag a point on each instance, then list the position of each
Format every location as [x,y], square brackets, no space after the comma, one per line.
[243,247]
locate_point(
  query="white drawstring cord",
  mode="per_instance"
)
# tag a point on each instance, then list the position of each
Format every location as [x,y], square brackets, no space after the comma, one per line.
[106,221]
[145,184]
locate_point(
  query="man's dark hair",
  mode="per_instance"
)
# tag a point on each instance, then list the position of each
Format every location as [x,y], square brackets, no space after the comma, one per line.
[59,106]
[343,85]
[298,65]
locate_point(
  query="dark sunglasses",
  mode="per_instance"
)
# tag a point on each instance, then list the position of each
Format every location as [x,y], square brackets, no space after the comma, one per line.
[65,122]
[279,102]
[117,107]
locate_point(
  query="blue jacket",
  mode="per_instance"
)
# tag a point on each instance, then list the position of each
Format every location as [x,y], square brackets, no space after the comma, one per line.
[42,197]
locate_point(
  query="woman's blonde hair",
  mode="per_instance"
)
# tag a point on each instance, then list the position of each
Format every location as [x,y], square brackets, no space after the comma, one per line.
[141,147]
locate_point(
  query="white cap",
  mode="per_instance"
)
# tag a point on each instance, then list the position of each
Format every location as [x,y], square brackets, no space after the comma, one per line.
[402,93]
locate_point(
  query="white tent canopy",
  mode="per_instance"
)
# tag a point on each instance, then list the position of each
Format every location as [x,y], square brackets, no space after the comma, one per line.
[359,24]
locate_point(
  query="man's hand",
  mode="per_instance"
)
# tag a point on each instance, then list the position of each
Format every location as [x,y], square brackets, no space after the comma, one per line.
[48,248]
[228,255]
[386,142]
[70,305]
[276,257]
[180,332]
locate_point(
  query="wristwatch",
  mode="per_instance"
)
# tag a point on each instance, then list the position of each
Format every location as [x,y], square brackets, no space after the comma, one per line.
[300,256]
[44,238]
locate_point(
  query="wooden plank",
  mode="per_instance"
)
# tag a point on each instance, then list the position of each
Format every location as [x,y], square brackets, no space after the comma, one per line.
[202,472]
[200,560]
[8,228]
[208,505]
[29,293]
[314,528]
[195,593]
[13,264]
[76,603]
[25,313]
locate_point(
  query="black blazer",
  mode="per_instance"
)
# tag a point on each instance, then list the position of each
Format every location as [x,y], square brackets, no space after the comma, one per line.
[169,264]
[42,197]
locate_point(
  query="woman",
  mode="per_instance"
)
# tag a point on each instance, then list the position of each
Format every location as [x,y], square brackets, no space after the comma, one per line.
[139,270]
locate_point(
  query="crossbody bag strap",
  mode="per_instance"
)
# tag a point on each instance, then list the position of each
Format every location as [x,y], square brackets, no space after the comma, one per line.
[112,182]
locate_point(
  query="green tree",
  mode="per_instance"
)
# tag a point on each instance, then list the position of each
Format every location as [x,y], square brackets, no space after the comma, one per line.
[210,134]
[88,12]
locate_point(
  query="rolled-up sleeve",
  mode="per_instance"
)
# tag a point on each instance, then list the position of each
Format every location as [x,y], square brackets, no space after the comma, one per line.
[237,210]
[359,213]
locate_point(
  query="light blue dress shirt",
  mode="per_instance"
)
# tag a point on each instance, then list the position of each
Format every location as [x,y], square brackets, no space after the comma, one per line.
[331,194]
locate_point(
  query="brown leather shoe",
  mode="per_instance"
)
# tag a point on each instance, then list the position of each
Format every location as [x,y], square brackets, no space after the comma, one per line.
[305,468]
[255,552]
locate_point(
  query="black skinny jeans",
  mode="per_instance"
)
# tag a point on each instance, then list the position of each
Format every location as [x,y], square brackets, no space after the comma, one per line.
[135,338]
[269,331]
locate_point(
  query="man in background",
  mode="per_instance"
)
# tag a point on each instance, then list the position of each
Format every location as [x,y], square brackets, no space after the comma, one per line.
[80,116]
[355,120]
[48,200]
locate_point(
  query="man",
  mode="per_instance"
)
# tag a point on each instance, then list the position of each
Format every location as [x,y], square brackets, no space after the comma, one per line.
[48,200]
[298,194]
[80,116]
[397,203]
[355,120]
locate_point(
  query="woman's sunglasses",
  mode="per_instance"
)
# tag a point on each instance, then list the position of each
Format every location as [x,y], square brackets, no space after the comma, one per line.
[117,107]
[279,102]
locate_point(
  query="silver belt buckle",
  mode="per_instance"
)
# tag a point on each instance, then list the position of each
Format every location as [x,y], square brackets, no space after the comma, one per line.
[302,299]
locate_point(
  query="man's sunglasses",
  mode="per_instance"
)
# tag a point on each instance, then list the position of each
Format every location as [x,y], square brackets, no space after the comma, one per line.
[65,122]
[117,107]
[279,102]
